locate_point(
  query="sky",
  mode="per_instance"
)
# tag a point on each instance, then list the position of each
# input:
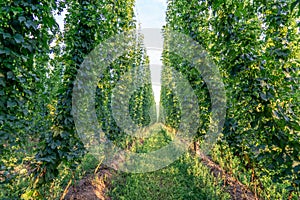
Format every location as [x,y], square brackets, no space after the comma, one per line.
[149,14]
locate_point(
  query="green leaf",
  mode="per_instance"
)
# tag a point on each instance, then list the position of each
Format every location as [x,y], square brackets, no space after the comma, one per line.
[30,23]
[263,96]
[295,125]
[294,4]
[6,35]
[10,75]
[11,104]
[276,114]
[297,168]
[18,38]
[5,51]
[2,82]
[22,19]
[28,47]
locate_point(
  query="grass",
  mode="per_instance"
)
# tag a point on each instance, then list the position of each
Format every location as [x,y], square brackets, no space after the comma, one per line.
[270,190]
[186,178]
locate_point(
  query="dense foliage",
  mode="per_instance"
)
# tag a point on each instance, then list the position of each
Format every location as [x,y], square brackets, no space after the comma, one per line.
[36,92]
[256,47]
[26,30]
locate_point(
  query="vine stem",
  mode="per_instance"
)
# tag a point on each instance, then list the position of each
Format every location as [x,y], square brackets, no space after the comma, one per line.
[66,189]
[98,166]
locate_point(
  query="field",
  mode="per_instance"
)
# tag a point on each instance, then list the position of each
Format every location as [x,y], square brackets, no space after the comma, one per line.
[80,117]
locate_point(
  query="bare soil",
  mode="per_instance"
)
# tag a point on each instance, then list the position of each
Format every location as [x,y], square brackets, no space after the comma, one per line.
[95,186]
[234,187]
[92,187]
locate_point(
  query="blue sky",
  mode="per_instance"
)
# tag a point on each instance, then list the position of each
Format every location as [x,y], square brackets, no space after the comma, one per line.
[151,13]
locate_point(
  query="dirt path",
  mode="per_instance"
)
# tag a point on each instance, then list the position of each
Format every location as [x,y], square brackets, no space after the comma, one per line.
[95,186]
[92,187]
[235,188]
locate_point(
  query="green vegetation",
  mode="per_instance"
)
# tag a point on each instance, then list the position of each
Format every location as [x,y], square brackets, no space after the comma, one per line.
[36,89]
[186,178]
[256,47]
[254,44]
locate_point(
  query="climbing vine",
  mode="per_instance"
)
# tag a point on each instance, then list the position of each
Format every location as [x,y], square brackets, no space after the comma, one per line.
[256,48]
[87,24]
[27,28]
